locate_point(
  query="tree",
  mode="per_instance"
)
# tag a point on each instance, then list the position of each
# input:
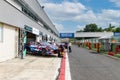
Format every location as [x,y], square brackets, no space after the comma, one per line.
[117,29]
[110,28]
[100,29]
[91,28]
[80,31]
[94,28]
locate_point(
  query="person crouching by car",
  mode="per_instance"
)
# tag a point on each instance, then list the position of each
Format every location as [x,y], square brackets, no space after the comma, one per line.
[61,51]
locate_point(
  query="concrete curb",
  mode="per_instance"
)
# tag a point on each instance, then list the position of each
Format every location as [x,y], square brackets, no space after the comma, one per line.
[112,57]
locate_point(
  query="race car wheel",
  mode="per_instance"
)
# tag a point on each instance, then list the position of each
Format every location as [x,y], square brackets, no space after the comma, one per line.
[44,52]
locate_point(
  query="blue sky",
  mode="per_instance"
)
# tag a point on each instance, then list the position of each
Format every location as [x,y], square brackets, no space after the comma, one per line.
[73,15]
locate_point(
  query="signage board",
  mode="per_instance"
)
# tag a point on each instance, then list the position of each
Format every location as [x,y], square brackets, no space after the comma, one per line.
[66,35]
[40,33]
[32,30]
[27,28]
[35,31]
[116,33]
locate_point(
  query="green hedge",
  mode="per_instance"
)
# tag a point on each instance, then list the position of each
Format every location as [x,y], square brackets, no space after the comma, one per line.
[117,55]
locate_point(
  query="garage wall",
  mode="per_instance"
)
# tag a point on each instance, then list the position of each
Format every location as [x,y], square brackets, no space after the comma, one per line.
[12,16]
[34,4]
[9,45]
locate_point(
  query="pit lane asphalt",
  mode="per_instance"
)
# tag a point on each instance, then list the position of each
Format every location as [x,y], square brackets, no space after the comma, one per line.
[88,65]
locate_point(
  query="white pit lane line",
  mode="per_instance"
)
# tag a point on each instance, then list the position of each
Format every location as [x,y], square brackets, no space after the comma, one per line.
[67,70]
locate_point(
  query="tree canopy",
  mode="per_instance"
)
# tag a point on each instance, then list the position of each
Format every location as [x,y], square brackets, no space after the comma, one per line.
[91,28]
[94,28]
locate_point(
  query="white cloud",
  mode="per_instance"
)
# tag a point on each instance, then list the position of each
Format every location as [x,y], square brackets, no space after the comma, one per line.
[77,12]
[65,10]
[111,13]
[108,16]
[59,27]
[87,17]
[101,19]
[80,27]
[117,2]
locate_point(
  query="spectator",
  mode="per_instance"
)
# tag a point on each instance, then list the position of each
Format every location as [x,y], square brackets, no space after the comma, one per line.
[69,47]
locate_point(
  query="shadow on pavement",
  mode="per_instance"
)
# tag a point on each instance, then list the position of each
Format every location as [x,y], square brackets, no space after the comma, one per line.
[39,55]
[93,52]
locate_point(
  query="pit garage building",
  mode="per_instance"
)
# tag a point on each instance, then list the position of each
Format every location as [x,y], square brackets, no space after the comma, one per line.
[22,21]
[85,36]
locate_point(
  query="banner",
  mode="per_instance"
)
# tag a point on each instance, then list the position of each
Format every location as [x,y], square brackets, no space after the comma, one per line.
[66,35]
